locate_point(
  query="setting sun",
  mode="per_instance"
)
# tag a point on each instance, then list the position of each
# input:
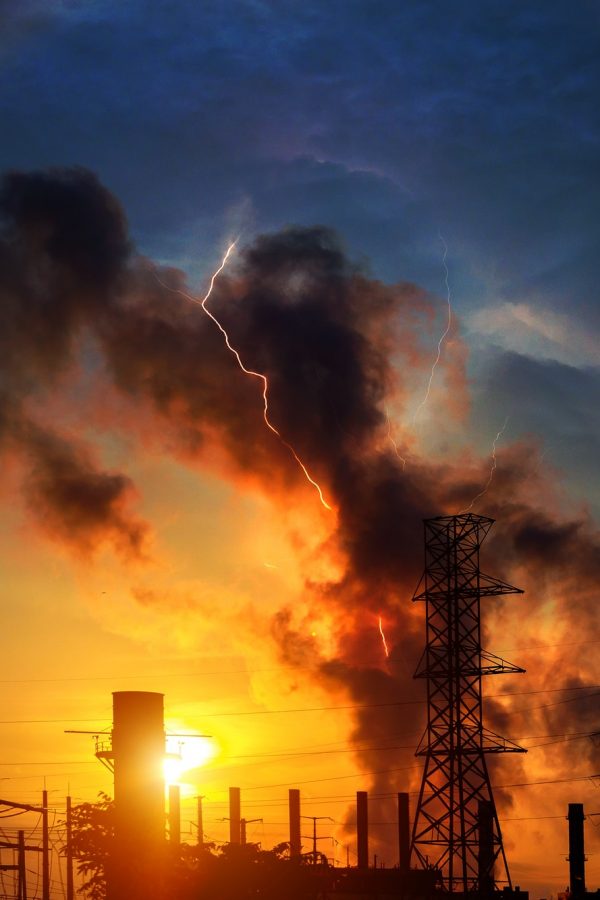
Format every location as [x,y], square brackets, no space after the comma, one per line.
[186,754]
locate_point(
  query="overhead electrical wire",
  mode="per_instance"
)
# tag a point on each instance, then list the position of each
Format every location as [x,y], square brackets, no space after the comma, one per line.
[263,712]
[309,751]
[200,674]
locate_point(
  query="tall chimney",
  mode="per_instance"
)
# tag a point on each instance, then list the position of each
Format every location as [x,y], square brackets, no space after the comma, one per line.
[138,751]
[485,856]
[294,813]
[235,826]
[362,829]
[200,822]
[576,850]
[403,833]
[174,815]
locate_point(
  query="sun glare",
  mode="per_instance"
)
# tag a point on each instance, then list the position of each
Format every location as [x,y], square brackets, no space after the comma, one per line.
[186,754]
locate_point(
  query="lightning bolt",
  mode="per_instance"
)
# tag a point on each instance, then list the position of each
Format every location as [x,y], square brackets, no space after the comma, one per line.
[263,378]
[444,335]
[492,470]
[385,646]
[392,441]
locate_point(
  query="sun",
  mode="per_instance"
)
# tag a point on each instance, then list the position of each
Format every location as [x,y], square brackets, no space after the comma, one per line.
[185,754]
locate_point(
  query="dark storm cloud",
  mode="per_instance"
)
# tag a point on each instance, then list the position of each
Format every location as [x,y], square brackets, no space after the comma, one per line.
[297,311]
[487,114]
[74,501]
[63,249]
[66,218]
[388,124]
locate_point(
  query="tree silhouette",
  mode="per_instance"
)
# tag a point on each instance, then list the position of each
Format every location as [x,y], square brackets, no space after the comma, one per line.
[92,843]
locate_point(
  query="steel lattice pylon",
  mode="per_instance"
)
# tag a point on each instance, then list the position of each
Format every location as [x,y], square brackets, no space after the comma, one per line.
[456,794]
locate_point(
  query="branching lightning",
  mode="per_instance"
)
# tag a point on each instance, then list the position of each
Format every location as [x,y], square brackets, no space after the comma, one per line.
[492,470]
[444,335]
[259,375]
[381,632]
[392,441]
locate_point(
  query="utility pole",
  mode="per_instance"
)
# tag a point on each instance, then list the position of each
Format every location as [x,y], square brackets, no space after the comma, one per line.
[43,810]
[243,823]
[22,889]
[314,820]
[200,824]
[45,848]
[174,815]
[20,847]
[69,854]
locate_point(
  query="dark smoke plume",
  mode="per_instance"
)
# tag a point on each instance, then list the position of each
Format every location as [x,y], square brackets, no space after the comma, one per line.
[75,502]
[63,252]
[335,345]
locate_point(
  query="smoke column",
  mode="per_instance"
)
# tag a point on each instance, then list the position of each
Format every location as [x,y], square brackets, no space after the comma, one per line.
[335,346]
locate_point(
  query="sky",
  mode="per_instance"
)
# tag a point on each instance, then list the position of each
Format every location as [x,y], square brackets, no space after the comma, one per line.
[380,166]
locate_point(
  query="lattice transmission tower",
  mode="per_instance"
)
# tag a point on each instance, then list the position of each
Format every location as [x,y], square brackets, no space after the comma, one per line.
[456,828]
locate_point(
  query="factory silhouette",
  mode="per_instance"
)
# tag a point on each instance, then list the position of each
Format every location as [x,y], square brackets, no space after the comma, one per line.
[451,843]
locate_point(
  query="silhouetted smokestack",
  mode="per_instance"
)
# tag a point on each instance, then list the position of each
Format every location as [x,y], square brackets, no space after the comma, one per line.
[362,829]
[576,850]
[485,856]
[200,822]
[403,833]
[235,827]
[294,808]
[138,752]
[174,815]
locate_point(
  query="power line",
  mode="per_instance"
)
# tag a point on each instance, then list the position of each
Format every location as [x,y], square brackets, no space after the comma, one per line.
[44,721]
[263,712]
[246,671]
[301,752]
[547,646]
[556,703]
[69,762]
[407,768]
[273,802]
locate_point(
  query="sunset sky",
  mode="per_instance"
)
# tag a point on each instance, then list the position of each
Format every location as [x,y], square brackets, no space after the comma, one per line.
[378,164]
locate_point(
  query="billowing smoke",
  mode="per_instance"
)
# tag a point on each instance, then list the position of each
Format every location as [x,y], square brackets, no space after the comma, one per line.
[336,346]
[76,502]
[63,248]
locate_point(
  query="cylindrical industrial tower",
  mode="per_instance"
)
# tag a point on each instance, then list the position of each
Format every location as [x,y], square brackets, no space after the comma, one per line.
[576,850]
[174,816]
[362,829]
[403,833]
[235,826]
[294,815]
[138,752]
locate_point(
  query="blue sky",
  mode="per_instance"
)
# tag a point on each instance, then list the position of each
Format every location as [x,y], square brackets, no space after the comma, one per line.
[390,122]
